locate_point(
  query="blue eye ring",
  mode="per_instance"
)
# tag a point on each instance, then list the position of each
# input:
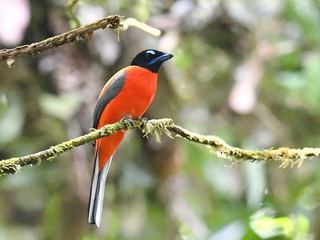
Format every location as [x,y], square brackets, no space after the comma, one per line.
[150,52]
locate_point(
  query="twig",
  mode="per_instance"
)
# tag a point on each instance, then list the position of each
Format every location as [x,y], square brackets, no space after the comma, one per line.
[286,156]
[132,22]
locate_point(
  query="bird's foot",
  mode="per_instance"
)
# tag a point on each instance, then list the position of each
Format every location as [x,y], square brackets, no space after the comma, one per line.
[92,130]
[128,120]
[126,117]
[143,119]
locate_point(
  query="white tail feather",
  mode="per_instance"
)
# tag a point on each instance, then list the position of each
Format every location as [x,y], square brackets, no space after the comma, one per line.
[97,191]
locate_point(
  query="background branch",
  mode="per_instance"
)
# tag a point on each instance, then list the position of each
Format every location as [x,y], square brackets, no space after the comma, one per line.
[78,34]
[156,127]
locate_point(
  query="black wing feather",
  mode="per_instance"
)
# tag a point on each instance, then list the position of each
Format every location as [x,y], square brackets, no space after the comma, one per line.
[113,90]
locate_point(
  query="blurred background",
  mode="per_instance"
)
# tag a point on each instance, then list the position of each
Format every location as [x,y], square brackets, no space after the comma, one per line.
[244,70]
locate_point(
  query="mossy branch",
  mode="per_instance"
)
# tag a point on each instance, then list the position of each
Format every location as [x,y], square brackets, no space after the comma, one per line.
[156,127]
[80,34]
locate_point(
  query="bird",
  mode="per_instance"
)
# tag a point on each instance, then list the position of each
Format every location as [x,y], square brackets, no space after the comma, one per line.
[126,95]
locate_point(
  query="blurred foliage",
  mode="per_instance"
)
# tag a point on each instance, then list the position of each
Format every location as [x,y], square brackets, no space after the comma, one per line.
[295,227]
[245,70]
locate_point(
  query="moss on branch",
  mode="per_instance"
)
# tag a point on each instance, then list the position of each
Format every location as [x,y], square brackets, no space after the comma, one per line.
[156,127]
[287,156]
[13,165]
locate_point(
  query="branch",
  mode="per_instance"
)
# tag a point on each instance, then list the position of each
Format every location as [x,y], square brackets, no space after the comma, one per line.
[287,156]
[78,34]
[13,165]
[156,127]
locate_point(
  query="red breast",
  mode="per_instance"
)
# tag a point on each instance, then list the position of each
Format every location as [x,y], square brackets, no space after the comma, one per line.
[134,98]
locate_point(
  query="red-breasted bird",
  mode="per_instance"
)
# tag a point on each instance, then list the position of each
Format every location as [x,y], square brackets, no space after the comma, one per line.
[127,94]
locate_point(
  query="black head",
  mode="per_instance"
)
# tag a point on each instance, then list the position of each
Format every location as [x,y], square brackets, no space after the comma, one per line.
[151,59]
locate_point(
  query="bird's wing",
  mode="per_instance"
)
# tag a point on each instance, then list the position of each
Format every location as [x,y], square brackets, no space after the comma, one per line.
[109,92]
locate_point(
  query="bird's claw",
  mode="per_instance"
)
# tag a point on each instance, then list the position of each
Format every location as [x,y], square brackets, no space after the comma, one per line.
[143,119]
[92,130]
[128,119]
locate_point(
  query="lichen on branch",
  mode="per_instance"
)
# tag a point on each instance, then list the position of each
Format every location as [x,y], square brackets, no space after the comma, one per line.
[286,156]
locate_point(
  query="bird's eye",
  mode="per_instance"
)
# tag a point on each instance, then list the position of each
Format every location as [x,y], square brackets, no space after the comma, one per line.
[149,53]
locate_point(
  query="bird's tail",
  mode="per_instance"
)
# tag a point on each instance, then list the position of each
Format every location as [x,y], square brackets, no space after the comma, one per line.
[97,190]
